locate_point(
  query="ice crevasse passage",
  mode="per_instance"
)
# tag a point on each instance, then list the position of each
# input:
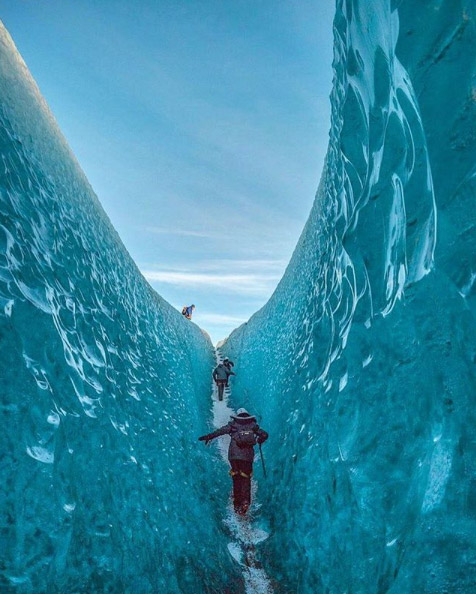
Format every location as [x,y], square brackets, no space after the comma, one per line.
[362,363]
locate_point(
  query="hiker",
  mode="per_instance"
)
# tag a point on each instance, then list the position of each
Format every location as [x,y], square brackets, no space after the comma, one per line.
[245,434]
[228,364]
[187,311]
[220,377]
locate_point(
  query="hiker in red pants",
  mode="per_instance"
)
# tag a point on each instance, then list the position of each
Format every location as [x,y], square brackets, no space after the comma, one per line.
[245,433]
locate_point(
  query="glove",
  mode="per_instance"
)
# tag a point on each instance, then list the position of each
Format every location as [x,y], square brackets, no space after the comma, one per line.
[261,439]
[204,438]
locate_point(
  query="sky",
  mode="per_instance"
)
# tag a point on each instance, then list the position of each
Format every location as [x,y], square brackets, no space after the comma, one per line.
[201,125]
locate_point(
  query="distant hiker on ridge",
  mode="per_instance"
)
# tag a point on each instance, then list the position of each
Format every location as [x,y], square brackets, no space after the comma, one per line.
[220,376]
[245,433]
[187,311]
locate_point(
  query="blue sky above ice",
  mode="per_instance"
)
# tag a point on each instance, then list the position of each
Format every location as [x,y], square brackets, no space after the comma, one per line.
[201,125]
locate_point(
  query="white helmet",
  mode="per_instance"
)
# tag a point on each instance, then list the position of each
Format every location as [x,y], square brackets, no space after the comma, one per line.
[243,414]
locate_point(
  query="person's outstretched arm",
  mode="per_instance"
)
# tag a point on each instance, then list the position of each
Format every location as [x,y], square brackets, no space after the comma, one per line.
[262,436]
[222,431]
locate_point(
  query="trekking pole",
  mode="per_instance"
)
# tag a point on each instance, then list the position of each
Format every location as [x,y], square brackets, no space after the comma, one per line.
[262,460]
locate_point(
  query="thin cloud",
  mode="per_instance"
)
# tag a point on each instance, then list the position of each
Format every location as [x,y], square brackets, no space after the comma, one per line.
[246,284]
[261,265]
[220,319]
[251,266]
[180,232]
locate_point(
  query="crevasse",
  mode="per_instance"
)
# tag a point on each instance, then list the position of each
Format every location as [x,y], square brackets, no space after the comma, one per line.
[361,364]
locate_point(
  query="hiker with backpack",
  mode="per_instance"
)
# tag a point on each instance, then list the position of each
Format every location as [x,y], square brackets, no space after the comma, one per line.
[228,364]
[245,433]
[187,311]
[220,376]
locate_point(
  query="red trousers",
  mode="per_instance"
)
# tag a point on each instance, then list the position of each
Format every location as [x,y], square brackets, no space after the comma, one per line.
[241,471]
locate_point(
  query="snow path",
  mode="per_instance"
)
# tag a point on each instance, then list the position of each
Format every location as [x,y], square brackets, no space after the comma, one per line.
[244,534]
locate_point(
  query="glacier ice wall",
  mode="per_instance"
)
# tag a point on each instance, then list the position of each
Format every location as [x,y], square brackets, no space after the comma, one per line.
[103,388]
[363,361]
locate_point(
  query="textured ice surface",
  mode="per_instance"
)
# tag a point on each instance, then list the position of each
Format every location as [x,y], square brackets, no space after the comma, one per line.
[104,388]
[363,361]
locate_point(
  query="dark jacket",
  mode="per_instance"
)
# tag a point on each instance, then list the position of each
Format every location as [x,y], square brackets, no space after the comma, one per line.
[221,373]
[235,452]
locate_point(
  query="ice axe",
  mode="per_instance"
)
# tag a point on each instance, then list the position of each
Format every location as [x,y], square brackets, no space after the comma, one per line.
[262,461]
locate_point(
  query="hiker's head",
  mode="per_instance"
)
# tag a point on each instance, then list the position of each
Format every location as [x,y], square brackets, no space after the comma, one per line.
[225,360]
[193,306]
[243,416]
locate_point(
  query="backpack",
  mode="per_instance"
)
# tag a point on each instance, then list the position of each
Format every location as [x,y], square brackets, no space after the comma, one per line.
[184,310]
[245,438]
